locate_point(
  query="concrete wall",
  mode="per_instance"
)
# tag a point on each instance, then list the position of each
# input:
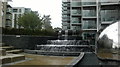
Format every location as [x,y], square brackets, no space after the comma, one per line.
[25,42]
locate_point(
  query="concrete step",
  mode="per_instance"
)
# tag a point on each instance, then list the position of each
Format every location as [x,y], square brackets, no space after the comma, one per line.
[2,44]
[7,47]
[16,51]
[11,58]
[2,52]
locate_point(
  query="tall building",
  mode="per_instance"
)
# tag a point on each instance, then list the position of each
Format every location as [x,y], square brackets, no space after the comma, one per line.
[6,11]
[89,16]
[16,13]
[1,12]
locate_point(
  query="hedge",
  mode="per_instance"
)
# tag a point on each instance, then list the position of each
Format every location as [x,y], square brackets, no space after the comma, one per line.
[13,31]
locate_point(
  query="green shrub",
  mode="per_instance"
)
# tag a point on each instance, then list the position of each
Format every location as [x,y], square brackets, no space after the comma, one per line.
[13,31]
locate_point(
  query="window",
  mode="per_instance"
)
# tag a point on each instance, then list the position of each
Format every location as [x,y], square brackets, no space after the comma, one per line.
[19,10]
[15,10]
[89,24]
[76,4]
[89,12]
[76,20]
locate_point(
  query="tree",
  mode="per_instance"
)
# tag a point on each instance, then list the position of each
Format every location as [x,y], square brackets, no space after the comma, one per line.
[30,20]
[47,23]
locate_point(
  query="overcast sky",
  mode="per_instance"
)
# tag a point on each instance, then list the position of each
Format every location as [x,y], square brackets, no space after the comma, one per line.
[47,7]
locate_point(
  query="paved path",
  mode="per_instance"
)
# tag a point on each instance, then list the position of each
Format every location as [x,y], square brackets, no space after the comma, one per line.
[46,60]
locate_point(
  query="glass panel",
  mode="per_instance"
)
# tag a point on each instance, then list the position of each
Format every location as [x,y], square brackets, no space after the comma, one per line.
[109,15]
[89,2]
[90,36]
[19,10]
[76,11]
[89,13]
[76,27]
[15,10]
[76,20]
[75,4]
[65,24]
[65,27]
[89,24]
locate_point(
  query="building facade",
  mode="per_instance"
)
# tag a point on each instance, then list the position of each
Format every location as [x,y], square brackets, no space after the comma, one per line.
[16,13]
[1,13]
[89,16]
[6,13]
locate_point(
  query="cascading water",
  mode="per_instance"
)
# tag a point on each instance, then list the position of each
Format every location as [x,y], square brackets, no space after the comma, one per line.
[64,47]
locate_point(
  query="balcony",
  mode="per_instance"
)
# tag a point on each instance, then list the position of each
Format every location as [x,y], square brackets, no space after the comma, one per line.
[8,24]
[76,20]
[65,20]
[65,24]
[8,17]
[76,4]
[65,27]
[110,16]
[89,13]
[66,5]
[89,2]
[76,12]
[76,27]
[89,24]
[9,6]
[66,12]
[8,11]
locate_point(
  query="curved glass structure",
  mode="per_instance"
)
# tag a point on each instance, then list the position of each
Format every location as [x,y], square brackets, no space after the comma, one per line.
[108,42]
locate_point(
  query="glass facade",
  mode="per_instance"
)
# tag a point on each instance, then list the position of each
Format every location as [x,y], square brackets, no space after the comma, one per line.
[76,11]
[90,36]
[109,15]
[9,10]
[89,12]
[8,17]
[89,24]
[66,12]
[15,10]
[19,10]
[88,2]
[76,27]
[76,20]
[76,4]
[65,24]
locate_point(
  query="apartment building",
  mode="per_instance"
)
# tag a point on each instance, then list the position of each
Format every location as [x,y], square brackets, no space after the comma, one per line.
[6,13]
[1,13]
[89,16]
[16,13]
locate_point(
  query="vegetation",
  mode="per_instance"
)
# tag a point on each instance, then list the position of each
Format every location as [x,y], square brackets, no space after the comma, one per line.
[30,20]
[32,24]
[47,23]
[13,31]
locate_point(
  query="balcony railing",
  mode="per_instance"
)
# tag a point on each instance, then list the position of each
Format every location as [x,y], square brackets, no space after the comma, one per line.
[8,24]
[89,24]
[8,17]
[88,3]
[76,12]
[76,27]
[89,13]
[76,4]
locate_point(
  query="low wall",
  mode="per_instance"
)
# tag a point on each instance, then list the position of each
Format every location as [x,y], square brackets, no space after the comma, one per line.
[25,42]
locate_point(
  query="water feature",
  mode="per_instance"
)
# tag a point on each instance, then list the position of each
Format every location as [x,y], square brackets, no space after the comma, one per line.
[64,47]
